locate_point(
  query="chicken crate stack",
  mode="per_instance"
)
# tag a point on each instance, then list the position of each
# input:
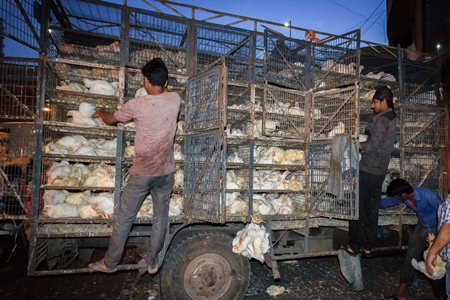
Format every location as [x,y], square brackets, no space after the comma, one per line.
[260,132]
[424,124]
[19,80]
[310,96]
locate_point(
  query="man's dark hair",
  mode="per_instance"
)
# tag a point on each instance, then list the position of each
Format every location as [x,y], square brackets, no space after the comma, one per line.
[399,186]
[156,72]
[384,92]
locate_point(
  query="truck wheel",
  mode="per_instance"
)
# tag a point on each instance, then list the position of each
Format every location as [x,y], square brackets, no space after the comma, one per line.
[203,266]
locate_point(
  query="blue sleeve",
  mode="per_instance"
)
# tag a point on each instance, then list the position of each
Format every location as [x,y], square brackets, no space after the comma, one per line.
[386,202]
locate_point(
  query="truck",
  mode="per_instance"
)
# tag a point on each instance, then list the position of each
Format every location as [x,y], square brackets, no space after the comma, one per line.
[259,120]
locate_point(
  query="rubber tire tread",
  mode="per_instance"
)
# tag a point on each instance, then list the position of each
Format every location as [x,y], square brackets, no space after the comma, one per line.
[181,253]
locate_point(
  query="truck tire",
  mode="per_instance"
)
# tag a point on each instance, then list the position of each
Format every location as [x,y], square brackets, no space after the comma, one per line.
[203,266]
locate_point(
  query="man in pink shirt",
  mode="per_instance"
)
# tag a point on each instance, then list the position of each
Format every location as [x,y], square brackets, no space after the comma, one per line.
[155,117]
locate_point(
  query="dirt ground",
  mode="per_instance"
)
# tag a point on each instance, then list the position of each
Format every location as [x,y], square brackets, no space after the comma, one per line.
[313,278]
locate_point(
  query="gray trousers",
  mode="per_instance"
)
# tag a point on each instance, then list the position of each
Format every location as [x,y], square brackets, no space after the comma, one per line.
[133,195]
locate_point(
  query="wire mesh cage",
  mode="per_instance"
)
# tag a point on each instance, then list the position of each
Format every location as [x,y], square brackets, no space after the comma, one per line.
[19,21]
[333,180]
[206,100]
[68,140]
[153,35]
[380,66]
[15,191]
[285,113]
[70,87]
[237,179]
[423,168]
[238,154]
[335,61]
[73,206]
[237,204]
[84,73]
[85,31]
[19,80]
[333,113]
[279,154]
[134,84]
[17,140]
[424,127]
[217,44]
[204,173]
[421,82]
[285,60]
[17,145]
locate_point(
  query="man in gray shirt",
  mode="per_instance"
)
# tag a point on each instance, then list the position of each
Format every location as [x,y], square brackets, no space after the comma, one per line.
[376,152]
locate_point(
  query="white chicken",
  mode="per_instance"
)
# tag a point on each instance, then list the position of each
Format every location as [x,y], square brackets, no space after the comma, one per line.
[282,201]
[278,155]
[178,177]
[129,152]
[101,87]
[86,211]
[59,171]
[177,154]
[79,118]
[101,177]
[74,87]
[63,210]
[296,110]
[438,271]
[293,156]
[103,203]
[243,238]
[252,241]
[85,150]
[234,158]
[72,142]
[180,127]
[338,129]
[80,171]
[238,206]
[140,92]
[77,198]
[295,185]
[87,109]
[176,205]
[53,197]
[54,148]
[230,197]
[259,245]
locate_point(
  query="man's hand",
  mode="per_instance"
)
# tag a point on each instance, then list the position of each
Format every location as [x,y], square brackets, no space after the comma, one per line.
[430,263]
[106,117]
[96,115]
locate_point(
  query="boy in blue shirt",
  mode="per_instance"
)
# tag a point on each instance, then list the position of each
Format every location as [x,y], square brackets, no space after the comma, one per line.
[424,202]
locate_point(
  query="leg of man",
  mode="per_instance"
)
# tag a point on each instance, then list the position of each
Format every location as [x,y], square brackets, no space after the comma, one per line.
[370,221]
[447,279]
[439,288]
[161,200]
[417,244]
[133,195]
[355,227]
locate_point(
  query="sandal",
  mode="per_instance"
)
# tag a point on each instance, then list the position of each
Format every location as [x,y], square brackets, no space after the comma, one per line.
[99,266]
[367,254]
[348,249]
